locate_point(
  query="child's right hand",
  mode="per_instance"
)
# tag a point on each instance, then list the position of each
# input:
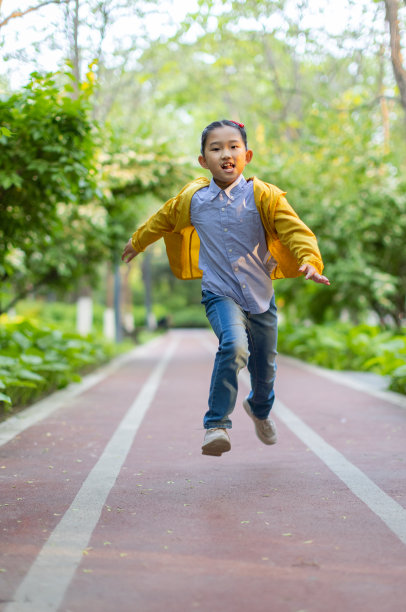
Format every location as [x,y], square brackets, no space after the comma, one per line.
[129,252]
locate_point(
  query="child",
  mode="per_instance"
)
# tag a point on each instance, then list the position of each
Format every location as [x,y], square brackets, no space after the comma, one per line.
[237,235]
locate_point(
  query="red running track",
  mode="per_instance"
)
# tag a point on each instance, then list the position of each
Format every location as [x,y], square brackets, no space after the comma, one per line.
[107,503]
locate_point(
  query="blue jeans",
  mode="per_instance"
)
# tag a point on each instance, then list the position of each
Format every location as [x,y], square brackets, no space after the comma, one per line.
[244,340]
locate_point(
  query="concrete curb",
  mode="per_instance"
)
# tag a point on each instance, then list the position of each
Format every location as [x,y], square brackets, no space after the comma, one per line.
[361,381]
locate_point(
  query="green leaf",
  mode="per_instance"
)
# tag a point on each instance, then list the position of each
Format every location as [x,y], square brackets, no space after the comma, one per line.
[400,371]
[21,340]
[31,359]
[29,375]
[7,361]
[5,398]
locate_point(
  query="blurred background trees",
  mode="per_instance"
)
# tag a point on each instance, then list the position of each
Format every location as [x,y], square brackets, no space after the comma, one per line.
[86,157]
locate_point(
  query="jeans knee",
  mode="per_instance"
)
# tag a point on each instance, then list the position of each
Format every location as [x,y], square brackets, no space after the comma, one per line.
[236,351]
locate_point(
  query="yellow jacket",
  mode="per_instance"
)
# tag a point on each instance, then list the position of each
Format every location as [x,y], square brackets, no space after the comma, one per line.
[290,241]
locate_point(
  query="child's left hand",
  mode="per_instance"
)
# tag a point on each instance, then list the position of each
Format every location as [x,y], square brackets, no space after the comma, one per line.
[311,274]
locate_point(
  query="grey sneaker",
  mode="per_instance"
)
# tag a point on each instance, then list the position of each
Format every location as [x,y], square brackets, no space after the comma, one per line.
[265,428]
[216,442]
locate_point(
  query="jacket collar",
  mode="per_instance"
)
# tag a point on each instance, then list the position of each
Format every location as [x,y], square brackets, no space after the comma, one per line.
[238,184]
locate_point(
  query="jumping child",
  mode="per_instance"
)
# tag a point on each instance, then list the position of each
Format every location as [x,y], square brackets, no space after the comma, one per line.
[237,235]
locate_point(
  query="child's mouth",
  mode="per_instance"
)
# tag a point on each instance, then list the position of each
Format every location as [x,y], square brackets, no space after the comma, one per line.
[228,166]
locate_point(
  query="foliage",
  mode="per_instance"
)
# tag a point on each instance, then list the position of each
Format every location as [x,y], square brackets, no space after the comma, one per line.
[320,128]
[58,315]
[36,359]
[138,174]
[358,212]
[322,112]
[341,346]
[50,225]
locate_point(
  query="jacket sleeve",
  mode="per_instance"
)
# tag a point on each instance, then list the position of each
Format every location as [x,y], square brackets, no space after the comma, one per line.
[296,236]
[162,222]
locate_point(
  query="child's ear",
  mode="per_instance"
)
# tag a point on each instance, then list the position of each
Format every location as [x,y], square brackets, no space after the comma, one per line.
[248,155]
[202,162]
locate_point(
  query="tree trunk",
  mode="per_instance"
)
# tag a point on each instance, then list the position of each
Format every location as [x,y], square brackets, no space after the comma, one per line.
[75,45]
[392,17]
[383,102]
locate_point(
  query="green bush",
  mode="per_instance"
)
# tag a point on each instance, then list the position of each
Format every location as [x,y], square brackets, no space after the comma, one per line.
[340,346]
[36,359]
[61,315]
[191,316]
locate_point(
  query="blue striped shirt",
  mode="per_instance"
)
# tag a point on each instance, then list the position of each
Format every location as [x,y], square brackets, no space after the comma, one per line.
[234,256]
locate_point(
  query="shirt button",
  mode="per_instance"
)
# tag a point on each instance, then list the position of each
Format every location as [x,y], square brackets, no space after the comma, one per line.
[223,209]
[225,229]
[244,286]
[230,250]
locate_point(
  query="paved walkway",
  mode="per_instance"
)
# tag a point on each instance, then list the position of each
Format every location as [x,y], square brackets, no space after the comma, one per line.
[108,505]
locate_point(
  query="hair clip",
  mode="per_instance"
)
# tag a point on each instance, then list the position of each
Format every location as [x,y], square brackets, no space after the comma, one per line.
[241,125]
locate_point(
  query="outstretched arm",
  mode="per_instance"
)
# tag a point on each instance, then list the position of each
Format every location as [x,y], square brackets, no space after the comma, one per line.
[311,274]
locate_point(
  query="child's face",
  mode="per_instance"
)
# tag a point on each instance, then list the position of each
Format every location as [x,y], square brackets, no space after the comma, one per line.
[225,155]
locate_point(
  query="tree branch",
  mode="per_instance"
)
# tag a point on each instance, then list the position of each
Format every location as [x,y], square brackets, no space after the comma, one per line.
[29,10]
[22,294]
[392,8]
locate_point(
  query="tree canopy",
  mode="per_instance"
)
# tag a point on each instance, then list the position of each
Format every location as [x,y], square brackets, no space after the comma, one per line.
[324,111]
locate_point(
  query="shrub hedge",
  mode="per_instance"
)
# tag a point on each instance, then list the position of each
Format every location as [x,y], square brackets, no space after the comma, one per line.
[342,346]
[36,359]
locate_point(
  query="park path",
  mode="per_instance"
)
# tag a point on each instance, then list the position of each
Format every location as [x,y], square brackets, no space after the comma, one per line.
[107,504]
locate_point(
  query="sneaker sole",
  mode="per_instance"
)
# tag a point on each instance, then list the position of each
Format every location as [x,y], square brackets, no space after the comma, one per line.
[215,448]
[247,409]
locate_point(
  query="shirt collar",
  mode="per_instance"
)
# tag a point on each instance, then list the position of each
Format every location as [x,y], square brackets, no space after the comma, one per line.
[214,189]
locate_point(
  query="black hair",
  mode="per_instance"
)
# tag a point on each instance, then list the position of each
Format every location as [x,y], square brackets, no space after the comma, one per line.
[222,123]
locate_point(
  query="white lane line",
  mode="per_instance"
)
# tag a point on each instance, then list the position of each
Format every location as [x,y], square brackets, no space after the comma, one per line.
[381,504]
[45,584]
[18,423]
[386,508]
